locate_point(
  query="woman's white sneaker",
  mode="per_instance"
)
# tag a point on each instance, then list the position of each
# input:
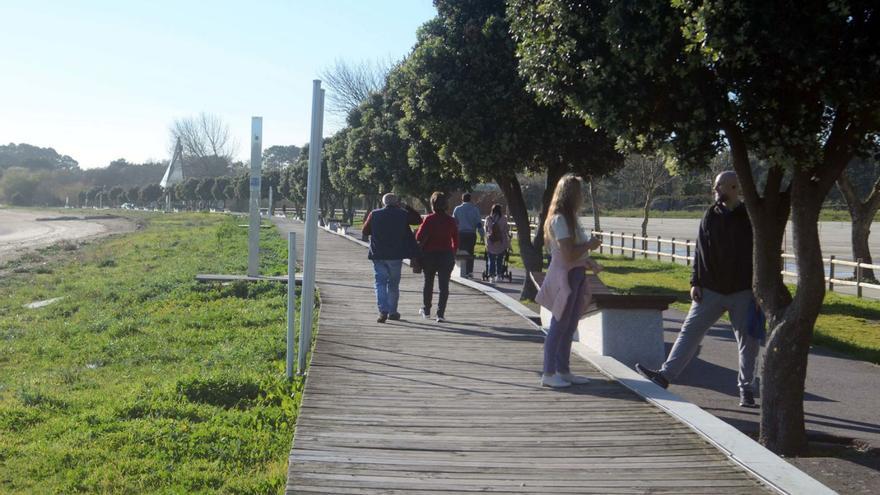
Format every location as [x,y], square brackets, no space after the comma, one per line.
[574,379]
[554,381]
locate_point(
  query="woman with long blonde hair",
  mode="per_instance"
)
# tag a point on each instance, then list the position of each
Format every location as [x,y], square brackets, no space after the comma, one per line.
[565,291]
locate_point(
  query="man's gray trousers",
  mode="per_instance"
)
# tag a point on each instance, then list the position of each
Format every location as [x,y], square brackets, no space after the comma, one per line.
[700,318]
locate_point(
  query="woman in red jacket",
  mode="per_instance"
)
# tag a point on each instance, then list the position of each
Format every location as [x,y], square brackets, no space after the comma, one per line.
[438,238]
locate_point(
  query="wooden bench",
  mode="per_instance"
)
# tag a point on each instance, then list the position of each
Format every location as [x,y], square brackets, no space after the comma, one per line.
[627,327]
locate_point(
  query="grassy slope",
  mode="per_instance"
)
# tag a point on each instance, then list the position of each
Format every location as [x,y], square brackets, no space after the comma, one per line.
[140,379]
[846,324]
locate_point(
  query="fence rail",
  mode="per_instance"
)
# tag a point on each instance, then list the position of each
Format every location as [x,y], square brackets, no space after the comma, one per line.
[622,239]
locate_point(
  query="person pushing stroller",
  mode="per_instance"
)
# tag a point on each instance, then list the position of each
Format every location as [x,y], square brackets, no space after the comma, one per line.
[497,243]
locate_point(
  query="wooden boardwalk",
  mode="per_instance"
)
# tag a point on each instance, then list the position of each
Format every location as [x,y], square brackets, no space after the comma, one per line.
[414,406]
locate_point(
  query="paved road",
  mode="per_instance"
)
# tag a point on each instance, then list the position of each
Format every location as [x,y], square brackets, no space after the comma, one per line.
[835,236]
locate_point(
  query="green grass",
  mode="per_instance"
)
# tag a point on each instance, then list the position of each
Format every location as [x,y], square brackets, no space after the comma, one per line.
[846,323]
[141,380]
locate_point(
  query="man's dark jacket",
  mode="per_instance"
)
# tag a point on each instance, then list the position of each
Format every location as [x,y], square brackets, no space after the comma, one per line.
[390,235]
[723,260]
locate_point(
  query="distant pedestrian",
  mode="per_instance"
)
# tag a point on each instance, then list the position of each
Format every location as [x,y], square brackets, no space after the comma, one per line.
[469,225]
[721,281]
[565,291]
[438,238]
[497,241]
[391,240]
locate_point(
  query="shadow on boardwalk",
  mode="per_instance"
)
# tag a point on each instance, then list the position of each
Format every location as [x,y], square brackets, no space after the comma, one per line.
[419,407]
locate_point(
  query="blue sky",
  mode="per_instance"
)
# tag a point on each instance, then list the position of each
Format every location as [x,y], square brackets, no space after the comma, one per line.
[100,80]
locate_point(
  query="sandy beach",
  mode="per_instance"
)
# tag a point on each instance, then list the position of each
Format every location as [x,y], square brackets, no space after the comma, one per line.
[24,230]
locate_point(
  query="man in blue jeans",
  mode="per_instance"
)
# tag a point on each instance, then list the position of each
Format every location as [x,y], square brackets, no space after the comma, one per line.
[391,240]
[470,223]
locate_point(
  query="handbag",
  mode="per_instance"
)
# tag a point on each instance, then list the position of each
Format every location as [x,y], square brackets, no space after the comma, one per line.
[416,261]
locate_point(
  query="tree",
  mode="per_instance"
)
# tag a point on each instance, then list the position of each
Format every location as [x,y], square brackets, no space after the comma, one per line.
[220,190]
[134,195]
[117,196]
[187,191]
[150,194]
[862,211]
[205,190]
[294,180]
[280,157]
[787,84]
[242,187]
[462,91]
[34,158]
[647,173]
[351,84]
[21,182]
[208,145]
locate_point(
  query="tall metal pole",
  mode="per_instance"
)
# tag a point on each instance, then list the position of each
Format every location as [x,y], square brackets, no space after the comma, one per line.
[256,178]
[291,299]
[307,293]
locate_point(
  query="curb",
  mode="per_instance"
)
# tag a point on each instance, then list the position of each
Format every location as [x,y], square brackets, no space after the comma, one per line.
[769,468]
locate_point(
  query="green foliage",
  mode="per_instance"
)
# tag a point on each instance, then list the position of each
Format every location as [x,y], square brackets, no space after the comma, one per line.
[680,72]
[34,158]
[280,157]
[141,378]
[461,89]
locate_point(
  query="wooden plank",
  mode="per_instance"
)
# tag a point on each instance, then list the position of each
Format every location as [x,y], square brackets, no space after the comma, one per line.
[414,406]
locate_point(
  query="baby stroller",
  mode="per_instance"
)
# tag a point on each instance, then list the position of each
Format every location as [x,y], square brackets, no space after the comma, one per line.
[506,274]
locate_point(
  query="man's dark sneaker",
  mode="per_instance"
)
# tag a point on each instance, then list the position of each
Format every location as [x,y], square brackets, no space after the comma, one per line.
[394,316]
[382,317]
[747,399]
[654,376]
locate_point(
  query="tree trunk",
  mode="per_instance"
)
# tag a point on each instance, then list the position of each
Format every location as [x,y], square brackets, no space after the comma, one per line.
[350,212]
[861,231]
[595,206]
[531,250]
[646,212]
[532,258]
[785,363]
[862,214]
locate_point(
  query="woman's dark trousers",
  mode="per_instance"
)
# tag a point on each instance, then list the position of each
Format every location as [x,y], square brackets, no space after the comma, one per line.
[438,264]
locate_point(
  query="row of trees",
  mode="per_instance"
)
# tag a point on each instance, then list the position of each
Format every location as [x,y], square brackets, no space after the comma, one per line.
[787,93]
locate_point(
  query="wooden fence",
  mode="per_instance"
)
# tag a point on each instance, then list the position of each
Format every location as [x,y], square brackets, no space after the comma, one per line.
[682,250]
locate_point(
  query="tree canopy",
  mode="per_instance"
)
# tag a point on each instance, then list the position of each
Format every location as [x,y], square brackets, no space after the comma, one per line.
[463,93]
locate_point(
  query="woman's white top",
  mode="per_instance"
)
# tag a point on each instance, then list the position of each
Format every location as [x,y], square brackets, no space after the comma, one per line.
[559,227]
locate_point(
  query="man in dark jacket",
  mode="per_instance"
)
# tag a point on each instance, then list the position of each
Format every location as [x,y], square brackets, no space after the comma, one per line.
[391,240]
[721,281]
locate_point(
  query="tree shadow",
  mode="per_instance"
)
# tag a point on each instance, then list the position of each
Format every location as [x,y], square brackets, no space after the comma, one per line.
[843,309]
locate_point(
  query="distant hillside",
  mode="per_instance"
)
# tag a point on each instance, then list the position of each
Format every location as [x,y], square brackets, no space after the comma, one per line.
[34,158]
